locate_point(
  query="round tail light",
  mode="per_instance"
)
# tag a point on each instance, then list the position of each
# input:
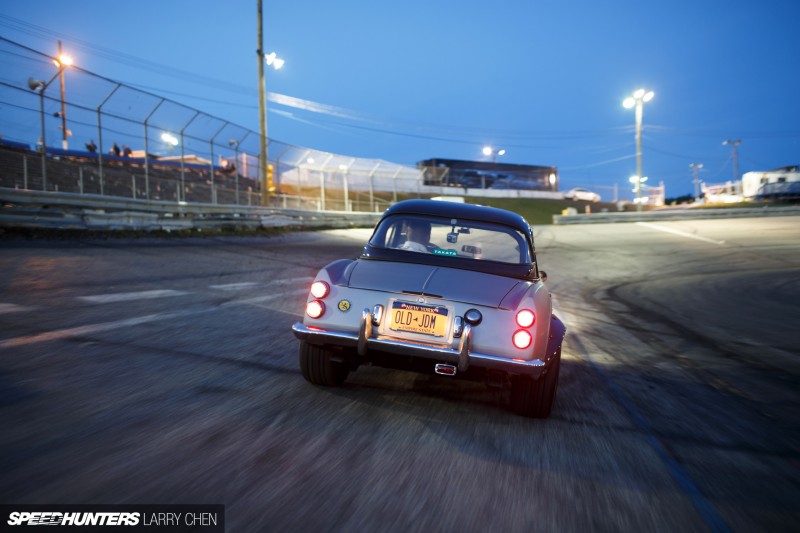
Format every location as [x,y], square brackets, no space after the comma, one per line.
[522,339]
[526,318]
[315,308]
[320,289]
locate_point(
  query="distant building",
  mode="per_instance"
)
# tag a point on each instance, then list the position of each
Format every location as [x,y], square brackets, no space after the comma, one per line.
[488,175]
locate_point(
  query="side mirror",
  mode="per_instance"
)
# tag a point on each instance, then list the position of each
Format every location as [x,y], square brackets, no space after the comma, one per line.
[543,275]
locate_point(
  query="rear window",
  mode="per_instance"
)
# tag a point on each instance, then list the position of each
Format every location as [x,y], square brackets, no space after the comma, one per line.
[466,239]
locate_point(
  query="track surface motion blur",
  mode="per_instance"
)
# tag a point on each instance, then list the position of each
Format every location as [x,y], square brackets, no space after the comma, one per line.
[150,370]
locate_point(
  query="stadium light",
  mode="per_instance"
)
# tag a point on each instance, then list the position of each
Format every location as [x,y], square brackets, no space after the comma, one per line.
[489,151]
[169,139]
[274,61]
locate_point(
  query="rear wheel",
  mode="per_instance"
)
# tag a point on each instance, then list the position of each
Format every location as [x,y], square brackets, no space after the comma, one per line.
[535,398]
[318,368]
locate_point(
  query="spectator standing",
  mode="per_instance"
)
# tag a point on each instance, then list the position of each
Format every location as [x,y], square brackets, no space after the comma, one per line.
[91,146]
[115,150]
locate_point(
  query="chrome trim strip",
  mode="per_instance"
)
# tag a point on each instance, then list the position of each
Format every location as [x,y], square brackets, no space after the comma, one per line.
[351,340]
[364,331]
[463,348]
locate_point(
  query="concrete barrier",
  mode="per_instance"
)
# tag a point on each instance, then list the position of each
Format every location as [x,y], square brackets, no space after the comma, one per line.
[56,210]
[677,214]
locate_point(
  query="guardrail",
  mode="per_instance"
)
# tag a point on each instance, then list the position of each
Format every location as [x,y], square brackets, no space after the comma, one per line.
[677,214]
[56,210]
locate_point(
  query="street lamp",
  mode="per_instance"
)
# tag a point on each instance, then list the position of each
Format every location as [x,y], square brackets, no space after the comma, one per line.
[489,151]
[637,100]
[63,61]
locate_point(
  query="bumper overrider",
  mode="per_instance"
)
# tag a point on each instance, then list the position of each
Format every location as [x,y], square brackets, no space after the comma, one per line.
[460,356]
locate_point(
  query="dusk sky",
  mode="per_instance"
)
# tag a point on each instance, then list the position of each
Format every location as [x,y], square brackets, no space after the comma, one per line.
[413,80]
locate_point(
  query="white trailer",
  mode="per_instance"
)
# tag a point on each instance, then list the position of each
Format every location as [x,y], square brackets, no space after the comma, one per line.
[752,181]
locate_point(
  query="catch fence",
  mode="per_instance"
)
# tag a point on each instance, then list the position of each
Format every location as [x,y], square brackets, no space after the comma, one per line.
[100,136]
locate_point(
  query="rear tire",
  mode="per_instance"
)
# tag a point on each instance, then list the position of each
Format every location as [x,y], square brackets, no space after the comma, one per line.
[535,398]
[318,368]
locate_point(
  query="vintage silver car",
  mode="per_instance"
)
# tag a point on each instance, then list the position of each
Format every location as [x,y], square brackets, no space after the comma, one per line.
[441,287]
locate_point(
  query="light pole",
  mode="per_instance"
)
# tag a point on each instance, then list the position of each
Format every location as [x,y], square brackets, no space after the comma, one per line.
[63,60]
[277,63]
[489,151]
[735,146]
[234,143]
[695,169]
[637,100]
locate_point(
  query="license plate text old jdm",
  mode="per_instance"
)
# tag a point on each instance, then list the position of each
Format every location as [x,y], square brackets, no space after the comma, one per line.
[415,318]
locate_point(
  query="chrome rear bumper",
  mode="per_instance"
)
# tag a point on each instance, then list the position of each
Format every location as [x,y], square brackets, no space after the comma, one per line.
[462,356]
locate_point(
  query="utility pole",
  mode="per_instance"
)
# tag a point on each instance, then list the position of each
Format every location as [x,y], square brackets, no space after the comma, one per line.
[262,113]
[695,169]
[735,145]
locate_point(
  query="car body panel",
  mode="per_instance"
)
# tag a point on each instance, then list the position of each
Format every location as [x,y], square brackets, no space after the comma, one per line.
[447,283]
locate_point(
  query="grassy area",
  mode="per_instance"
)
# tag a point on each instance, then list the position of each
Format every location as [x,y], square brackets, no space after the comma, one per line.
[536,211]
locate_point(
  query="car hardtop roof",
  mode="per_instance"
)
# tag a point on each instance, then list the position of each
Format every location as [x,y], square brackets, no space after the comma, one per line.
[458,210]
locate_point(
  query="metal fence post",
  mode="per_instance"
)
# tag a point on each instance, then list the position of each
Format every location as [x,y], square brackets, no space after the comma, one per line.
[371,179]
[182,192]
[394,185]
[299,168]
[238,143]
[100,134]
[211,144]
[322,181]
[25,172]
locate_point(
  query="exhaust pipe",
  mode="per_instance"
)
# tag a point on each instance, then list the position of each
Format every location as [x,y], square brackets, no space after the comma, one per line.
[445,370]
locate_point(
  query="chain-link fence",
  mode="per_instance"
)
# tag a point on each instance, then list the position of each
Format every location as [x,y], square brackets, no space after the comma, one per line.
[93,135]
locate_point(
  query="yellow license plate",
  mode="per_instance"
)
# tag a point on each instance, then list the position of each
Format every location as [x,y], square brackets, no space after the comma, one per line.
[415,318]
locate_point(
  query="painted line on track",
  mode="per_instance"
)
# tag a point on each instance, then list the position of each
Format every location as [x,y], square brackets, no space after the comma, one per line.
[269,297]
[674,231]
[13,308]
[129,296]
[234,286]
[705,508]
[66,333]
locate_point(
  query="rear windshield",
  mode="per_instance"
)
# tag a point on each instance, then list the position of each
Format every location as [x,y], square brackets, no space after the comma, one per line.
[466,239]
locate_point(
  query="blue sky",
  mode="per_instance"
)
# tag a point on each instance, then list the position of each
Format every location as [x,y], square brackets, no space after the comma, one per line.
[408,81]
